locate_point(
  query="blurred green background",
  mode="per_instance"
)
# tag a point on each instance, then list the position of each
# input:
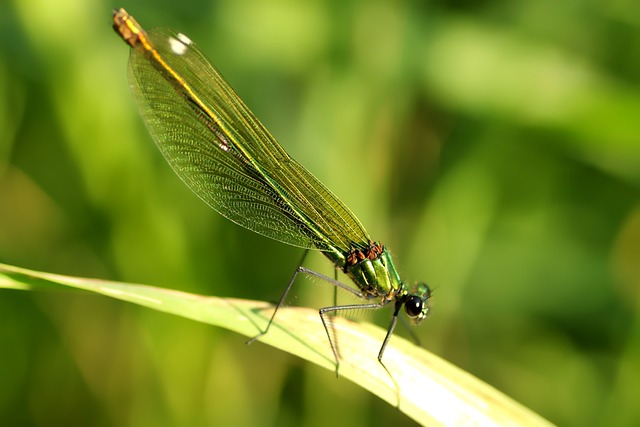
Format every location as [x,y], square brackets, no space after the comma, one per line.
[493,146]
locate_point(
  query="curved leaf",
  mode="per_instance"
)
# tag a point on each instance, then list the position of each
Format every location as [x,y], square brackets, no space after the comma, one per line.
[432,391]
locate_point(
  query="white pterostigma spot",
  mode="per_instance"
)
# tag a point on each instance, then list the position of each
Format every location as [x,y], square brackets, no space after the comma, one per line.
[179,45]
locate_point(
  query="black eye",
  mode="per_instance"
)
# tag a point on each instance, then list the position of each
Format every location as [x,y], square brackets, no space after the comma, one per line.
[413,306]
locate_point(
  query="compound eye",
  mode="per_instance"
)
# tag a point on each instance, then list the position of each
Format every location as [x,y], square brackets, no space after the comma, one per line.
[413,306]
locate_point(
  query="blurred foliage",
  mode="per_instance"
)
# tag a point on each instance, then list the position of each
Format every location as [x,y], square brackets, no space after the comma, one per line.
[493,146]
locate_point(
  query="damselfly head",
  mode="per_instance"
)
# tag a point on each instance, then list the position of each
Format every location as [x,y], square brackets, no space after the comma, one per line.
[416,304]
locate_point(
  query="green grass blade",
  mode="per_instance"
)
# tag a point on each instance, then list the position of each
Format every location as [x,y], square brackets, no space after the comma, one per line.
[433,392]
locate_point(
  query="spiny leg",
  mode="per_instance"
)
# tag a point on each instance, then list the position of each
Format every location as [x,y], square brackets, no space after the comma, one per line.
[392,326]
[282,298]
[333,313]
[335,309]
[304,270]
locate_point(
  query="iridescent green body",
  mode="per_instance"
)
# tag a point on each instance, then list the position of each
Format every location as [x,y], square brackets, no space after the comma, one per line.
[375,275]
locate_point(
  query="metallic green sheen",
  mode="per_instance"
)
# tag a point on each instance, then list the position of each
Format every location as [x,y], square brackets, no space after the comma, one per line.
[376,277]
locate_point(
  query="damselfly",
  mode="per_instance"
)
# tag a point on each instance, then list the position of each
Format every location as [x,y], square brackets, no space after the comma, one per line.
[228,158]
